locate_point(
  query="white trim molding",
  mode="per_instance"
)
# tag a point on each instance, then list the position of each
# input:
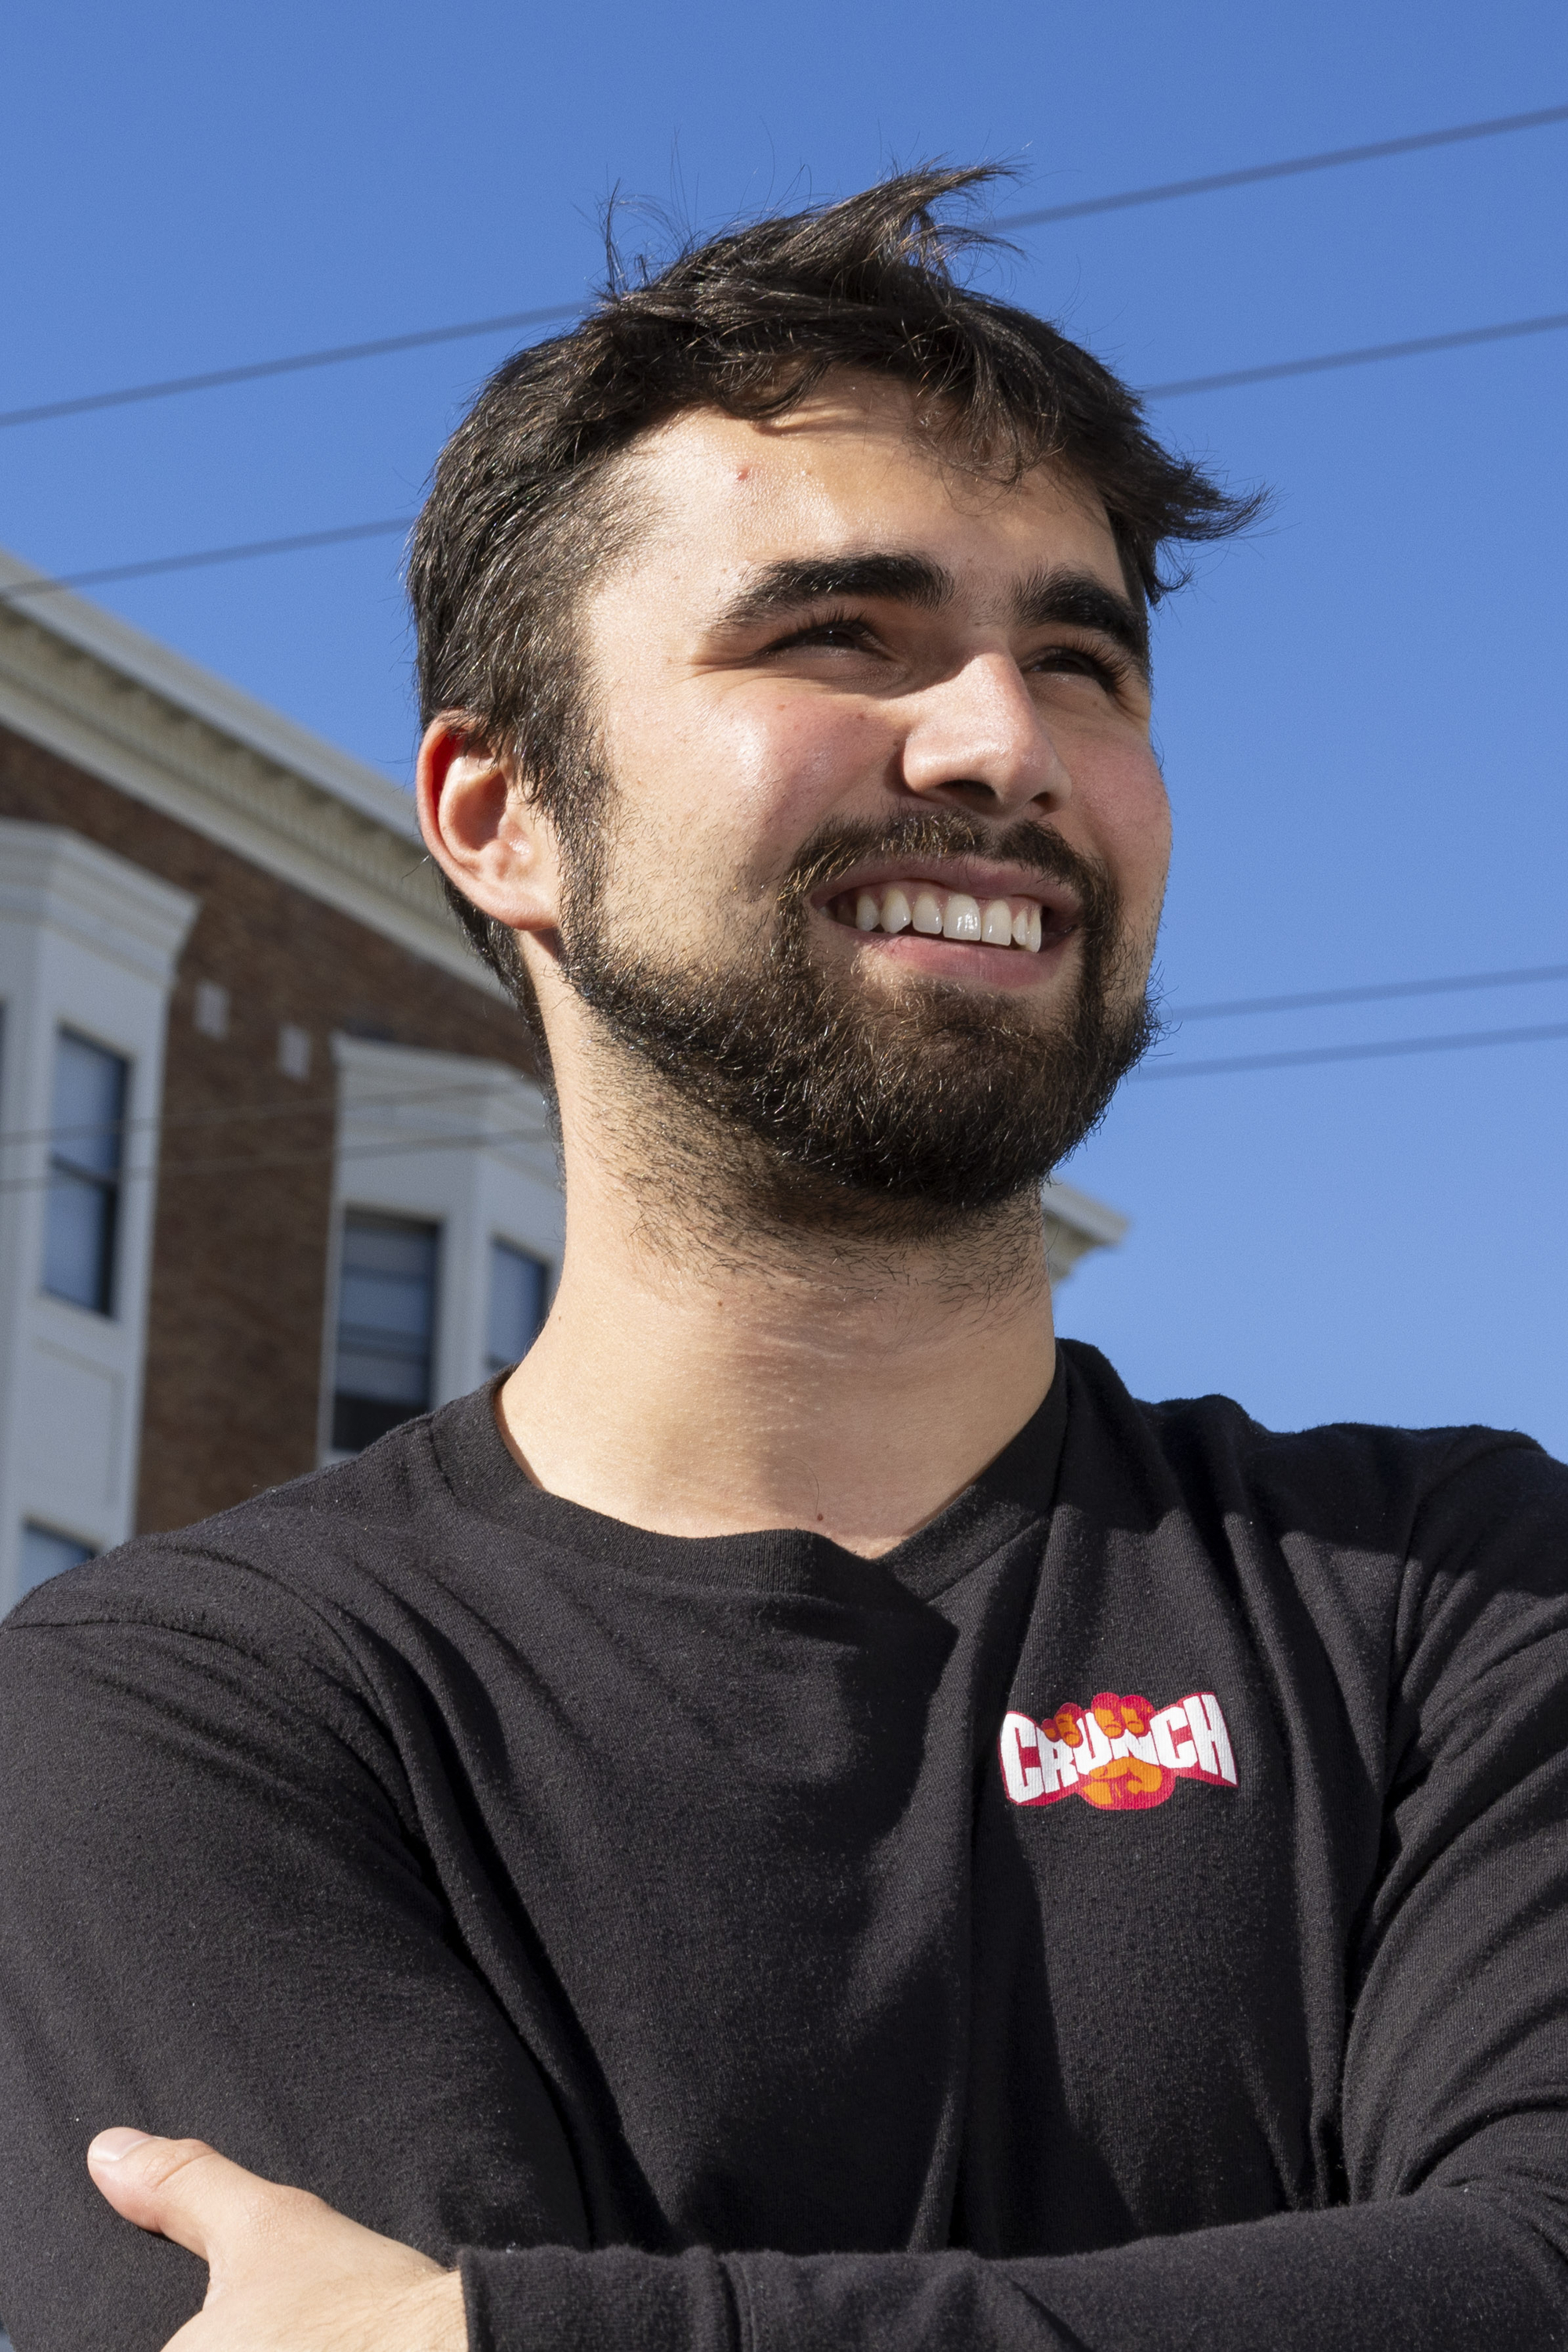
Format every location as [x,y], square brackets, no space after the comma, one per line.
[88,942]
[454,1141]
[124,707]
[1076,1222]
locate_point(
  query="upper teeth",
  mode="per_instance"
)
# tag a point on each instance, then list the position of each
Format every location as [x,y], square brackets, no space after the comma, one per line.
[941,914]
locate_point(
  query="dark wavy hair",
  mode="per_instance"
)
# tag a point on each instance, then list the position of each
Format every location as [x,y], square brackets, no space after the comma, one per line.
[523,502]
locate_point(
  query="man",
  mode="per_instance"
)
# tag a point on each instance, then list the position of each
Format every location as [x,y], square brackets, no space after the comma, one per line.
[808,1817]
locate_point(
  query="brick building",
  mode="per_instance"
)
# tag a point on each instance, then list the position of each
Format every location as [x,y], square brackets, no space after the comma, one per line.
[273,1169]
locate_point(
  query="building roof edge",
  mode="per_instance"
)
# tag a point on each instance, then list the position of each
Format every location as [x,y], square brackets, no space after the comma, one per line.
[117,704]
[202,694]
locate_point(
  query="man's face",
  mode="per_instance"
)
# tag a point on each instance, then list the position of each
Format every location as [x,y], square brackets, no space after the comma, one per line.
[883,840]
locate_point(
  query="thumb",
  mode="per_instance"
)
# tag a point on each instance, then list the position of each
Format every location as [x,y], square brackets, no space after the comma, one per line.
[184,2190]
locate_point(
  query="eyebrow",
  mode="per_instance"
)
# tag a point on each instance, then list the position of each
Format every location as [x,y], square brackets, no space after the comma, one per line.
[1049,595]
[815,579]
[1084,603]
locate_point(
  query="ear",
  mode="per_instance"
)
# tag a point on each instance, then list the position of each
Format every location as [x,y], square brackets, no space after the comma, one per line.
[482,830]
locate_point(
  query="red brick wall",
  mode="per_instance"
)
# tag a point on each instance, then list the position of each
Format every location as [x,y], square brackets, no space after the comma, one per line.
[243,1201]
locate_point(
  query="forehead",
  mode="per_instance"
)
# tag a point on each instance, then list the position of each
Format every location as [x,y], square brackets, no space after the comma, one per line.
[856,465]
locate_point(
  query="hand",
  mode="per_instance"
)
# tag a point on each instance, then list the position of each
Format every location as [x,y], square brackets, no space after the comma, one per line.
[285,2273]
[1138,1778]
[1118,1783]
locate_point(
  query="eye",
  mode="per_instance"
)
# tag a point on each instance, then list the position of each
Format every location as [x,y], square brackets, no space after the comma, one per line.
[1109,670]
[837,632]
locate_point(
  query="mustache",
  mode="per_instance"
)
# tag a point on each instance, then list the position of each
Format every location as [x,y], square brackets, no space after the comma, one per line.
[835,849]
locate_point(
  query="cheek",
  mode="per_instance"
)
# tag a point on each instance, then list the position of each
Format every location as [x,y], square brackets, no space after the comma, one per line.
[1130,813]
[795,758]
[755,772]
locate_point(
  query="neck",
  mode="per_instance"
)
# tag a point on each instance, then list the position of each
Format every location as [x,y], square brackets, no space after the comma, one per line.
[714,1367]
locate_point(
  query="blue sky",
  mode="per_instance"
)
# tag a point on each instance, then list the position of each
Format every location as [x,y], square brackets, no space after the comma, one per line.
[1358,709]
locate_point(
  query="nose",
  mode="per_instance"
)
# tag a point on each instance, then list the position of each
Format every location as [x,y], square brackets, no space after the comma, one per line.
[978,740]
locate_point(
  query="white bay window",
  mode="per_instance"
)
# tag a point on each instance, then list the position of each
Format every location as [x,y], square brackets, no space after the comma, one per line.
[88,944]
[449,1227]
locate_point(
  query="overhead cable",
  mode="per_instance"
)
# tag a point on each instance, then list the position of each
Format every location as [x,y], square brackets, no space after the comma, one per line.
[248,1164]
[252,1164]
[295,363]
[147,567]
[297,541]
[423,1098]
[301,1107]
[258,1164]
[384,346]
[1329,161]
[1376,993]
[1462,1040]
[1363,356]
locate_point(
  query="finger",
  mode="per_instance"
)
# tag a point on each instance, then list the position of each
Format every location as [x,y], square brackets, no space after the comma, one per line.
[184,2190]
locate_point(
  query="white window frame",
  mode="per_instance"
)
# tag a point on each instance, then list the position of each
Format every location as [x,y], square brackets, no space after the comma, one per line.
[455,1141]
[88,942]
[519,1249]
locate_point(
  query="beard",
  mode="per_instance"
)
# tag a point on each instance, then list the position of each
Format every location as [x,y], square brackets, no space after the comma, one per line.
[836,1102]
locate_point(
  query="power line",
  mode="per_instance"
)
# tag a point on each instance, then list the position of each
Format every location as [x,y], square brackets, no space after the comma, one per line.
[255,1164]
[384,346]
[1363,355]
[247,1164]
[421,1098]
[1464,1041]
[1329,161]
[306,1107]
[295,363]
[149,567]
[1380,991]
[251,1163]
[299,542]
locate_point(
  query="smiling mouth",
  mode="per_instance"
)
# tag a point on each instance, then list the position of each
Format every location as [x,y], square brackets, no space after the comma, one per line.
[916,906]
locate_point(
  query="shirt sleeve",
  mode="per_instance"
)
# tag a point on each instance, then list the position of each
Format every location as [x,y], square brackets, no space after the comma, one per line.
[215,1920]
[1418,2276]
[216,1923]
[1454,2111]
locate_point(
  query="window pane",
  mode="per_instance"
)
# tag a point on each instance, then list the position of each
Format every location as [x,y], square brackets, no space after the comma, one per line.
[45,1553]
[79,1240]
[386,1317]
[82,1210]
[89,1104]
[370,1364]
[390,1309]
[516,1305]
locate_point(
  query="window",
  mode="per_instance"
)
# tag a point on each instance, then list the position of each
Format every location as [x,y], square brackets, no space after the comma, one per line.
[516,1305]
[46,1552]
[387,1320]
[87,1118]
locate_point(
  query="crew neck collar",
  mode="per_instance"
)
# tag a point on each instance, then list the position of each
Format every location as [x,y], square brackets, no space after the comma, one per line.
[1012,1494]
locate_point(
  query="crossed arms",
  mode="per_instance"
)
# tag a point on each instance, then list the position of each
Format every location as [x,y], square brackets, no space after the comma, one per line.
[304,2001]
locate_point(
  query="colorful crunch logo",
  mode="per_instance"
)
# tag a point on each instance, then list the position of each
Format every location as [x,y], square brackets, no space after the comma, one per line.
[1122,1754]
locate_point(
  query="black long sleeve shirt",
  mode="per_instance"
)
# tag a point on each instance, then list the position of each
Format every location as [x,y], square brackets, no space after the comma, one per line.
[1132,1914]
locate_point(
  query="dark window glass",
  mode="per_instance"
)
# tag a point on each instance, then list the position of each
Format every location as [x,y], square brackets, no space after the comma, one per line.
[387,1322]
[516,1305]
[45,1553]
[83,1213]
